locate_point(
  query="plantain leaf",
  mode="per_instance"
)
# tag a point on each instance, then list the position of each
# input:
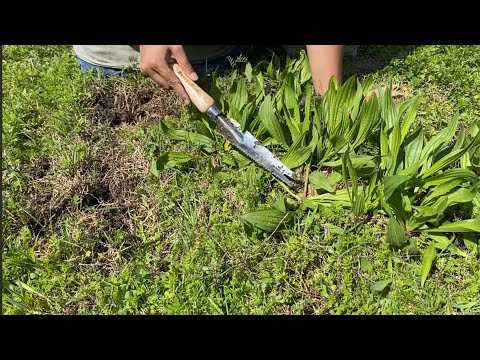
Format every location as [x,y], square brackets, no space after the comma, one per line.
[448,175]
[267,220]
[307,111]
[413,145]
[320,182]
[380,285]
[297,158]
[367,121]
[204,129]
[305,73]
[391,183]
[457,226]
[444,162]
[240,97]
[357,161]
[427,261]
[269,119]
[194,138]
[442,189]
[438,142]
[259,85]
[408,120]
[291,103]
[395,233]
[462,195]
[366,265]
[248,72]
[169,160]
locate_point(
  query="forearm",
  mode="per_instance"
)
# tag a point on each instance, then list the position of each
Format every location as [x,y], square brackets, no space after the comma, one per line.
[325,61]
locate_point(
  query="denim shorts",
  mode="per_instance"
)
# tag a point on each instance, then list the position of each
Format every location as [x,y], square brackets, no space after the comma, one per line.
[200,69]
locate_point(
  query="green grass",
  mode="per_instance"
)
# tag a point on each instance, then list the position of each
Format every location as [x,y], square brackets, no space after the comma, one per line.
[88,230]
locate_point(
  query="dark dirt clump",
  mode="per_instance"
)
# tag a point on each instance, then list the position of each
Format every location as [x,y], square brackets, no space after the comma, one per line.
[119,103]
[103,182]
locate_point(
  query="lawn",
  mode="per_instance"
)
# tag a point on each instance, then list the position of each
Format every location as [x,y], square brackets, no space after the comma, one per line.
[93,224]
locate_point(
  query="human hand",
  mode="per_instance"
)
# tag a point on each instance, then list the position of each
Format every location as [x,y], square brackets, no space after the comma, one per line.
[156,62]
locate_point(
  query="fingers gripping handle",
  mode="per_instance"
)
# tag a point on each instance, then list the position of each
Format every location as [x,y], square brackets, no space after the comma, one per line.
[200,98]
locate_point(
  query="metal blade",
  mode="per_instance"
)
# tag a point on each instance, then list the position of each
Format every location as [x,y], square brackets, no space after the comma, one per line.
[252,148]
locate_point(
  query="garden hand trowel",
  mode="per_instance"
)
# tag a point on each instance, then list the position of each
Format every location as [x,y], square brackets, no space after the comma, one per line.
[232,131]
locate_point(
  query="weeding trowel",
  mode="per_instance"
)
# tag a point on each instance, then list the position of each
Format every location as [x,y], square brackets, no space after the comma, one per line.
[232,131]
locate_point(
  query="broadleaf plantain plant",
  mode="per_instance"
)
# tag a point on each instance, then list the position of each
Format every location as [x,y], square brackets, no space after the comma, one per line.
[329,142]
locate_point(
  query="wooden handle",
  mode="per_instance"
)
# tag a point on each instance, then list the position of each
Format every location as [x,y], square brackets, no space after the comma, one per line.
[200,98]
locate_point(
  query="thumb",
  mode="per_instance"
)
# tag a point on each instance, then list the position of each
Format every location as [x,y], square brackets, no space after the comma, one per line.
[182,60]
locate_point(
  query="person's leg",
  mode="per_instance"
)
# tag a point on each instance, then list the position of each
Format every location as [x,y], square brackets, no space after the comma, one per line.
[107,72]
[325,61]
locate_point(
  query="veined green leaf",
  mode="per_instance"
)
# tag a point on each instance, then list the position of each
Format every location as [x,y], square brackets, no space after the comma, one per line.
[359,204]
[460,140]
[267,220]
[448,175]
[367,121]
[458,226]
[395,233]
[215,92]
[259,85]
[442,189]
[413,145]
[438,142]
[408,120]
[308,101]
[340,103]
[305,73]
[441,241]
[339,195]
[203,129]
[391,183]
[271,71]
[169,160]
[384,149]
[248,72]
[446,161]
[350,172]
[320,182]
[395,201]
[427,261]
[388,109]
[269,119]
[357,101]
[183,135]
[357,161]
[334,178]
[240,97]
[394,142]
[297,158]
[380,285]
[425,214]
[371,187]
[366,265]
[462,195]
[291,103]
